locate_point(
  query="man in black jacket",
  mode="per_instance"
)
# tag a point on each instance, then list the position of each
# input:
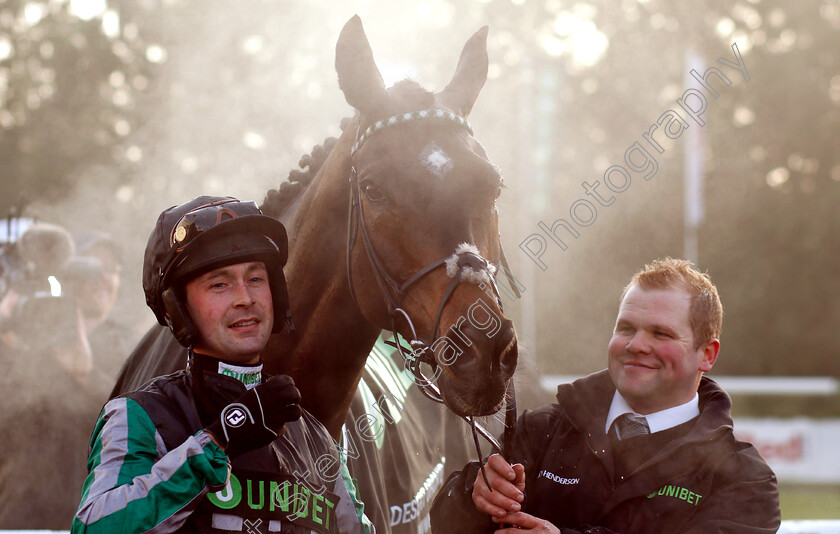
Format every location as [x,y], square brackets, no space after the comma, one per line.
[645,446]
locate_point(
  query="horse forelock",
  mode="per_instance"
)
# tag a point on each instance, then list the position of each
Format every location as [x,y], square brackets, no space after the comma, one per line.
[408,95]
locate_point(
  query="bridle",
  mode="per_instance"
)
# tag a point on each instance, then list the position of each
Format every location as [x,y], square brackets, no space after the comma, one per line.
[465,260]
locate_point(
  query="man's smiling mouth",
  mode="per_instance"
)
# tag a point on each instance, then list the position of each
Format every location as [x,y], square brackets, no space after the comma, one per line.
[243,323]
[639,365]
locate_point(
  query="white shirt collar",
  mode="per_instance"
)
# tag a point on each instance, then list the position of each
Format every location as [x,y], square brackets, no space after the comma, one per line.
[657,421]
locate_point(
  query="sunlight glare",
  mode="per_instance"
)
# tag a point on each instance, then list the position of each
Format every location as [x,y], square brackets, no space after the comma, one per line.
[5,48]
[87,9]
[33,13]
[55,286]
[111,24]
[577,37]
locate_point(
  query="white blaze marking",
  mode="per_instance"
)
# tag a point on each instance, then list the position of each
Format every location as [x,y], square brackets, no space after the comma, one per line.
[435,160]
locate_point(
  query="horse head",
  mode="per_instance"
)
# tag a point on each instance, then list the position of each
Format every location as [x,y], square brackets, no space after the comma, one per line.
[423,233]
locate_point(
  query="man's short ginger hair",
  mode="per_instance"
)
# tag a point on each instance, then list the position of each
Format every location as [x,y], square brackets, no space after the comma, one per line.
[705,313]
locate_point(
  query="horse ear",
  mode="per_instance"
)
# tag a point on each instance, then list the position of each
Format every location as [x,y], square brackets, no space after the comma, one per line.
[358,77]
[470,75]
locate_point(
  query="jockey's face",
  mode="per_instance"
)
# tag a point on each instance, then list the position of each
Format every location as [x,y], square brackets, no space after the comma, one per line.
[232,310]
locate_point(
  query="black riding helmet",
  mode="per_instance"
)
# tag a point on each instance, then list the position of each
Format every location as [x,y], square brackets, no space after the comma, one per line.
[204,234]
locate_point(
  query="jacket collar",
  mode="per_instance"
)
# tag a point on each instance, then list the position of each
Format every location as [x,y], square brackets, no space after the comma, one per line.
[586,402]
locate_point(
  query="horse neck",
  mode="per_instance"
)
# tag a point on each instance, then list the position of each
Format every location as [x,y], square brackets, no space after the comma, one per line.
[327,356]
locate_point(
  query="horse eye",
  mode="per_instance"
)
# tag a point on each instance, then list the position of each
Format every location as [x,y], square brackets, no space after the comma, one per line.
[373,193]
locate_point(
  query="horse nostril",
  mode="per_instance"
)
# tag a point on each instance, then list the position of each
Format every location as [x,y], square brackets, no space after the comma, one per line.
[467,346]
[471,347]
[506,349]
[509,360]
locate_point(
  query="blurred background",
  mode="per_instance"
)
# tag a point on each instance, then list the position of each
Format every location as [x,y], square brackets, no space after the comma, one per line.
[113,110]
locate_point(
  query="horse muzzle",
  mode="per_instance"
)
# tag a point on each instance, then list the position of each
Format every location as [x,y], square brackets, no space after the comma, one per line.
[476,367]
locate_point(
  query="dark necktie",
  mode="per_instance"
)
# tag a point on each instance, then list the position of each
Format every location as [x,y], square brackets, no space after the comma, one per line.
[630,425]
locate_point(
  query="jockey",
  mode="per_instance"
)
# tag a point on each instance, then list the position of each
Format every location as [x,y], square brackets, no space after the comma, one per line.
[220,446]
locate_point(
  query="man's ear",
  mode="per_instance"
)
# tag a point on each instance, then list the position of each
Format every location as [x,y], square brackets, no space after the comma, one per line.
[710,354]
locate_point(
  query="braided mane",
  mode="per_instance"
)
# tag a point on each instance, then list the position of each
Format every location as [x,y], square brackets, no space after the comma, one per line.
[277,200]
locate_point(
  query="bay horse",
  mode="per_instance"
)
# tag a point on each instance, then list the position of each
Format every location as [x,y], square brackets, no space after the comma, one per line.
[397,230]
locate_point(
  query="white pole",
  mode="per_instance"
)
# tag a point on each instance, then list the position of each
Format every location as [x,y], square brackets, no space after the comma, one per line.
[527,208]
[693,174]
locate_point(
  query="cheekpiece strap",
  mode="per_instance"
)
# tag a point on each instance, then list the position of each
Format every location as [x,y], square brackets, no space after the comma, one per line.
[410,116]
